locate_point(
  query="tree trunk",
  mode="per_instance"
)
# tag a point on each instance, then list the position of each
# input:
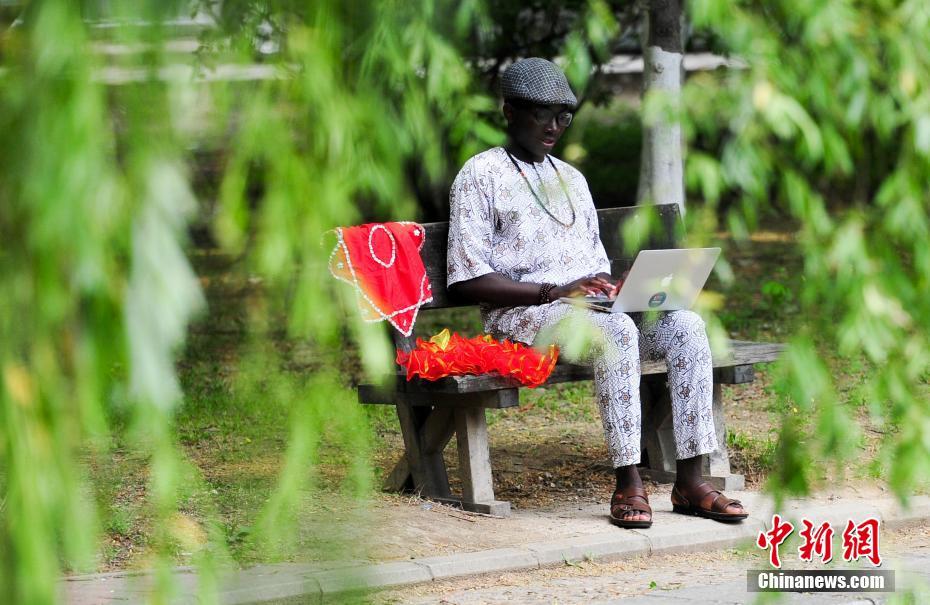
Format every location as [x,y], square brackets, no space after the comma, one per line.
[661,175]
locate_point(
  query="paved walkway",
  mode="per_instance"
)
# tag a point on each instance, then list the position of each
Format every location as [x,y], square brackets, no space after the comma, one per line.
[578,533]
[723,586]
[911,572]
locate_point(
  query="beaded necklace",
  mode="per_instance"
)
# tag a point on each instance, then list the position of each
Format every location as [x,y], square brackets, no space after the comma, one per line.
[536,196]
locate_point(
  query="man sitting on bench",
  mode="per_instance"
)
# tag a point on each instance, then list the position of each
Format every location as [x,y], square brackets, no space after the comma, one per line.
[523,233]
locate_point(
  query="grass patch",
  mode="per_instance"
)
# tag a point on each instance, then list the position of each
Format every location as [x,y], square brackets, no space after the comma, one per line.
[751,455]
[571,402]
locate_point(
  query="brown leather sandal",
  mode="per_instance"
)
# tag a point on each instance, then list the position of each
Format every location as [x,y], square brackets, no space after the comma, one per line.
[632,499]
[712,504]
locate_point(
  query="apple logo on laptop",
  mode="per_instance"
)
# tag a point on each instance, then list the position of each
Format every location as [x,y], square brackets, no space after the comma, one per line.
[657,299]
[667,280]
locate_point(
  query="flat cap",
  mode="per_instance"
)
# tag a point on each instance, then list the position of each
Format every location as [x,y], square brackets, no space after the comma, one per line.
[538,81]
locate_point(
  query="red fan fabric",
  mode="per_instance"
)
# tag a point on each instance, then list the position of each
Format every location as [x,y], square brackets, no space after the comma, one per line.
[453,355]
[382,261]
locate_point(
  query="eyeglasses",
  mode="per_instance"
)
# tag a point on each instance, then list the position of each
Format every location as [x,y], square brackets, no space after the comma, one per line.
[543,115]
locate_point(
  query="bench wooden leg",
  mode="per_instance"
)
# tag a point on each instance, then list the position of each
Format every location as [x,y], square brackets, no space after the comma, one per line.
[399,479]
[426,432]
[659,439]
[717,463]
[471,430]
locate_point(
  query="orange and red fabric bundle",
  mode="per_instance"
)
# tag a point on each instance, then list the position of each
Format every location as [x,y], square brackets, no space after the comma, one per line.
[448,354]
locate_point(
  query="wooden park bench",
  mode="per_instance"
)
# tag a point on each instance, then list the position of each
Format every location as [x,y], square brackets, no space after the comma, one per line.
[430,413]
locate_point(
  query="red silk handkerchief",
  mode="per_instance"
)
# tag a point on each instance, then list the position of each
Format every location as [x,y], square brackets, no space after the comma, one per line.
[382,261]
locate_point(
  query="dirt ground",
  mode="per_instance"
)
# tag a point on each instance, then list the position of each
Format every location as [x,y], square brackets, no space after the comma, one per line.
[541,459]
[397,527]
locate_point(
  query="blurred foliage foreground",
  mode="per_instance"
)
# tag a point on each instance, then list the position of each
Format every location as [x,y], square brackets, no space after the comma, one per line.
[96,290]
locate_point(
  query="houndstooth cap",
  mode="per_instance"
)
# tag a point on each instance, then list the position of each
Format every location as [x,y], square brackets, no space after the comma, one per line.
[538,81]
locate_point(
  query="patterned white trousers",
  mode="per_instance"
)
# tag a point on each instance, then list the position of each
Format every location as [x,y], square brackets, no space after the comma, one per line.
[620,342]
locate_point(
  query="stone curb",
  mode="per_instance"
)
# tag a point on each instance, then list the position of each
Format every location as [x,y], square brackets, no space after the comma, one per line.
[603,546]
[700,535]
[381,575]
[306,588]
[480,562]
[918,512]
[265,584]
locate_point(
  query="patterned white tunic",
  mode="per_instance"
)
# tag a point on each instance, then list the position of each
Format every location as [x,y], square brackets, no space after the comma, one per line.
[496,226]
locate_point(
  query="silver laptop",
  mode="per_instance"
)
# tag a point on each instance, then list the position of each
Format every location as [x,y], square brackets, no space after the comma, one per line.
[660,280]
